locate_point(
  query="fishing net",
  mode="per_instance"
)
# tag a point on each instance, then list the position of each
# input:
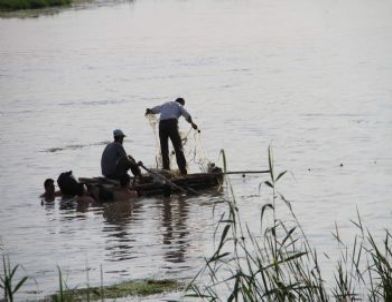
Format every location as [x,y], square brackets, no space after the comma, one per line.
[191,143]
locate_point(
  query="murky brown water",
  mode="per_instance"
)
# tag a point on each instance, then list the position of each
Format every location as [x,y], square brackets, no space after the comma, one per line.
[311,77]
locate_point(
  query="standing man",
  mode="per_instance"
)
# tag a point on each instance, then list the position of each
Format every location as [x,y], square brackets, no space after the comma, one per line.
[115,162]
[168,128]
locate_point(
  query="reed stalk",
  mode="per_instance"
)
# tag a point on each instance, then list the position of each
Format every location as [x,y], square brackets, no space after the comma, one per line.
[7,279]
[280,264]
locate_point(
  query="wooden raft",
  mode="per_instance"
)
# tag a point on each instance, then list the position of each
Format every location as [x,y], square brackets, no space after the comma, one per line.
[151,185]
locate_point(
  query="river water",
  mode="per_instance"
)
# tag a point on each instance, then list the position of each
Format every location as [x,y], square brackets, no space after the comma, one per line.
[311,78]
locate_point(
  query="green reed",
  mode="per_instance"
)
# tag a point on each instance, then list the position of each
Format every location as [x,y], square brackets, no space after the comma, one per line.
[381,269]
[279,264]
[12,5]
[62,295]
[7,279]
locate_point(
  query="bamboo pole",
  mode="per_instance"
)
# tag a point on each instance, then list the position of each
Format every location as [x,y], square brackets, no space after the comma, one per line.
[247,172]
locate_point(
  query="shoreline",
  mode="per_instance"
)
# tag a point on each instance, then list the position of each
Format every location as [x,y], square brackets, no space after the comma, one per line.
[23,13]
[15,5]
[141,288]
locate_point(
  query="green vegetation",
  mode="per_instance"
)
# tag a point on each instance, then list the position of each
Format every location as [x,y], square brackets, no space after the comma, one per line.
[279,264]
[124,289]
[7,279]
[65,294]
[12,5]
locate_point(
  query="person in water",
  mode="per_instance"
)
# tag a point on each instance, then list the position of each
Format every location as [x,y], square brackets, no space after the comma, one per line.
[68,184]
[168,128]
[74,193]
[125,193]
[115,162]
[50,190]
[82,195]
[71,188]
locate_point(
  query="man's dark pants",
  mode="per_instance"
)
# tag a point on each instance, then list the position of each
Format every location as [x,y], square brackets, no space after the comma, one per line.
[169,129]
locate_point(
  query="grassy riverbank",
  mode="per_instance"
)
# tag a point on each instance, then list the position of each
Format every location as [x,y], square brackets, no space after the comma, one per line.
[139,288]
[11,286]
[14,5]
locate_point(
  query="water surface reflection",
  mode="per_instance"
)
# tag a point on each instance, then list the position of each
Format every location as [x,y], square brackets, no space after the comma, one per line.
[174,229]
[129,227]
[120,239]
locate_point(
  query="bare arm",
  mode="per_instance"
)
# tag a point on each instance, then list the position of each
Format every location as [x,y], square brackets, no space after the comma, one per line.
[188,117]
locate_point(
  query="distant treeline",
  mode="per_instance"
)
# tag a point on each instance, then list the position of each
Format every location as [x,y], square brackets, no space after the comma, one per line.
[30,4]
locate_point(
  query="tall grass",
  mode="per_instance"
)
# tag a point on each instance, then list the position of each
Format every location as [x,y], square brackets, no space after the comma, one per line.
[278,262]
[381,269]
[7,280]
[61,296]
[31,4]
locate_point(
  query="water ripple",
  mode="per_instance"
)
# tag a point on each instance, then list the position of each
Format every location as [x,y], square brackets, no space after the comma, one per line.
[75,147]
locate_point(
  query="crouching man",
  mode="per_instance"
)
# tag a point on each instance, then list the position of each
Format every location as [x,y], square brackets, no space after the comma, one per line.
[115,162]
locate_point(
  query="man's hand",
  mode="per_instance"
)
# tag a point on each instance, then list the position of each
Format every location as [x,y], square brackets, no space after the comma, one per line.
[194,126]
[131,159]
[148,111]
